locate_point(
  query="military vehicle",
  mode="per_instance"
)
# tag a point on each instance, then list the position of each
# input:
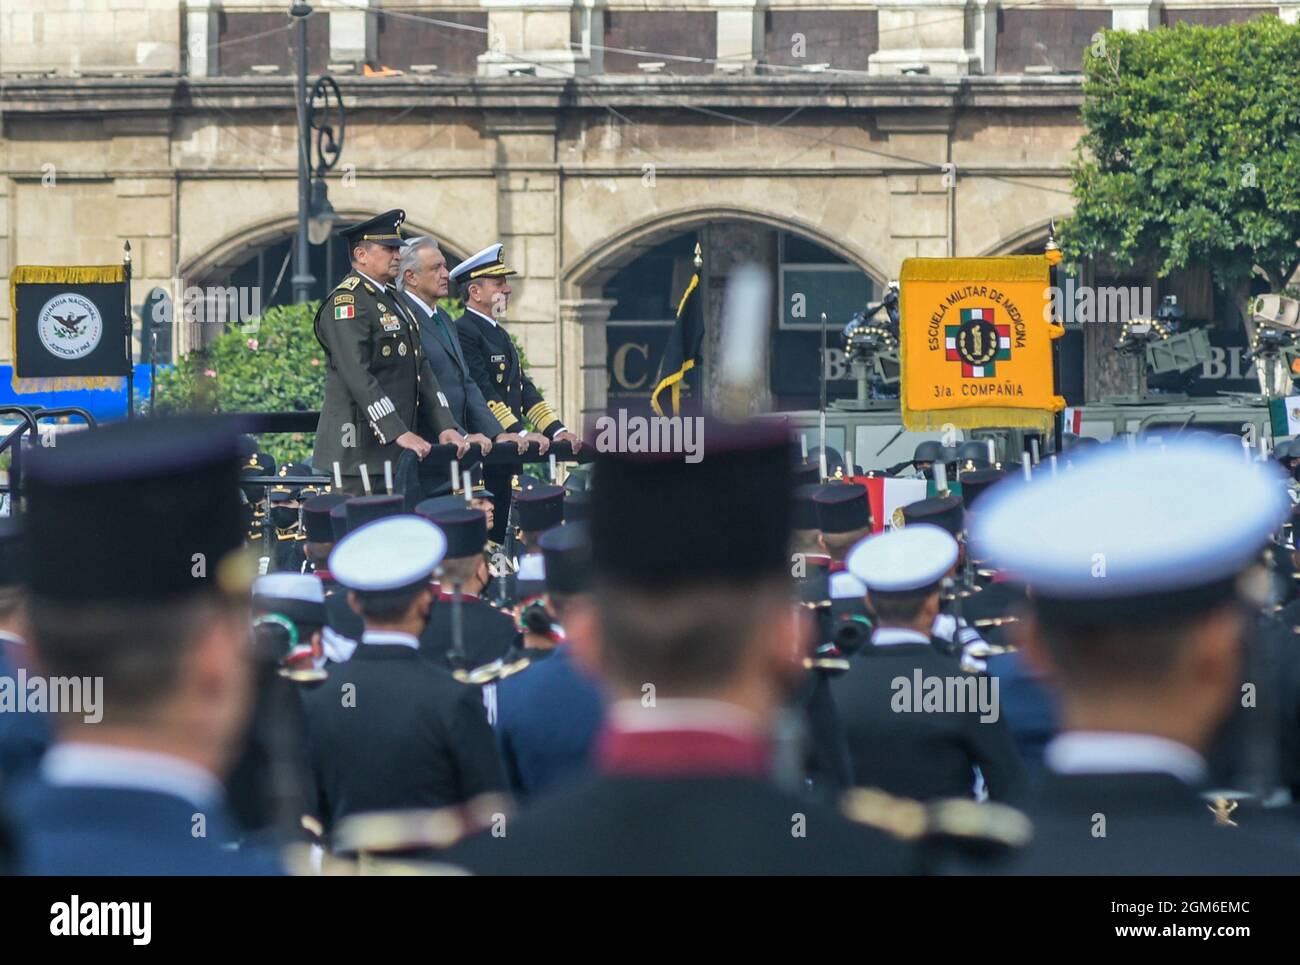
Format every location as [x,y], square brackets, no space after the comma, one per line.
[870,426]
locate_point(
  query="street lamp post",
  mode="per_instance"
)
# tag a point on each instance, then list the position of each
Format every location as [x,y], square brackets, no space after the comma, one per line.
[303,281]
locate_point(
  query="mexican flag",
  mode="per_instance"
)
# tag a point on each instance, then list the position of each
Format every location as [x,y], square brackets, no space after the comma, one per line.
[1073,420]
[1285,416]
[888,495]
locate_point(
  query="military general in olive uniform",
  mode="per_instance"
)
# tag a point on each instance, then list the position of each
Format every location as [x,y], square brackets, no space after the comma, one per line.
[378,379]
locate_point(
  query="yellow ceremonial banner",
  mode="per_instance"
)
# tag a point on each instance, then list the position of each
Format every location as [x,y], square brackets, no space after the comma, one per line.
[975,343]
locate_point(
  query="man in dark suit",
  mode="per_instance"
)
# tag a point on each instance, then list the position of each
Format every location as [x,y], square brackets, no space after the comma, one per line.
[494,364]
[422,278]
[390,729]
[700,643]
[548,714]
[134,785]
[917,724]
[1135,564]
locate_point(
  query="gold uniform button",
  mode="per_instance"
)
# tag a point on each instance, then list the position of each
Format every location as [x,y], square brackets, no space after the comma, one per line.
[387,351]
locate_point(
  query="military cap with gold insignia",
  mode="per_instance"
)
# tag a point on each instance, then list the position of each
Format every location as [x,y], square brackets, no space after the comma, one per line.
[488,263]
[383,229]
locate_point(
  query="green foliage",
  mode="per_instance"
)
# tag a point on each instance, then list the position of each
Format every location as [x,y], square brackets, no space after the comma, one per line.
[269,364]
[1192,151]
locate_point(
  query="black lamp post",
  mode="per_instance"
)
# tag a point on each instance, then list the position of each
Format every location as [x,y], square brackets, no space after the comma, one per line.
[317,141]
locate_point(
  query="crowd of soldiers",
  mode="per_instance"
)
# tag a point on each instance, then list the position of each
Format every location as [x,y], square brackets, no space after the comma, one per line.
[1086,665]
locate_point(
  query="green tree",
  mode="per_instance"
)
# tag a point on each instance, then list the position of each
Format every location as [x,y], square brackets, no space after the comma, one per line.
[1192,151]
[269,364]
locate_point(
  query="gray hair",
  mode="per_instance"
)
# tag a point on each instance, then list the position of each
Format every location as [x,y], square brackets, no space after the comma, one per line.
[411,257]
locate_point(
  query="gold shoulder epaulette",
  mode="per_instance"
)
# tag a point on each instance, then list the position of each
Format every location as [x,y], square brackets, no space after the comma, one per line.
[900,817]
[980,821]
[912,820]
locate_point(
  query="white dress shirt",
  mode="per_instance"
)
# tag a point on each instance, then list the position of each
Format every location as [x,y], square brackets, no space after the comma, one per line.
[1107,752]
[78,764]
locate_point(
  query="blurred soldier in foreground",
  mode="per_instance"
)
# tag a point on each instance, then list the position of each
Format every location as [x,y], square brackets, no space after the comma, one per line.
[906,733]
[391,729]
[23,737]
[1139,564]
[701,643]
[164,624]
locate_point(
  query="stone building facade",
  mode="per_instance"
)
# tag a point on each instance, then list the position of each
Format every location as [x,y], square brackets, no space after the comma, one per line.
[590,136]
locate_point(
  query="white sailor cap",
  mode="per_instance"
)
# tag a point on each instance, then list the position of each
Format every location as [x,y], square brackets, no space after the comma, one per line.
[905,559]
[487,263]
[289,586]
[393,553]
[1157,528]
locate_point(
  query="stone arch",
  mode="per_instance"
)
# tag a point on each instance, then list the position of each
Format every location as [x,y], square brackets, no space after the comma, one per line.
[1035,232]
[585,275]
[584,311]
[240,245]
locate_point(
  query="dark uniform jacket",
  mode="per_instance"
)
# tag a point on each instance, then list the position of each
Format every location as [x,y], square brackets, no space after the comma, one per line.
[922,754]
[378,380]
[494,364]
[680,803]
[1154,825]
[442,348]
[408,736]
[488,633]
[548,716]
[289,557]
[83,831]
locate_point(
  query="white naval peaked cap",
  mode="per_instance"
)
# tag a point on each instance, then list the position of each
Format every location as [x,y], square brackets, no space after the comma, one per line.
[487,262]
[1130,523]
[289,586]
[388,554]
[903,559]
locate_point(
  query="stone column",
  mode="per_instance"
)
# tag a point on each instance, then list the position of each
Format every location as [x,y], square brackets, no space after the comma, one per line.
[927,36]
[1289,11]
[202,53]
[584,373]
[740,34]
[532,37]
[350,41]
[984,39]
[527,225]
[1134,14]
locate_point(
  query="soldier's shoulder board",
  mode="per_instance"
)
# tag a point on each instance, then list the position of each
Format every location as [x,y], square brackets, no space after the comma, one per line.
[351,282]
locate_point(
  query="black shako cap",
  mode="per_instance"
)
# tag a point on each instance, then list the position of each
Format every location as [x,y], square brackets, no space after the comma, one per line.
[465,529]
[316,521]
[660,522]
[540,507]
[360,510]
[567,552]
[942,511]
[842,507]
[143,510]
